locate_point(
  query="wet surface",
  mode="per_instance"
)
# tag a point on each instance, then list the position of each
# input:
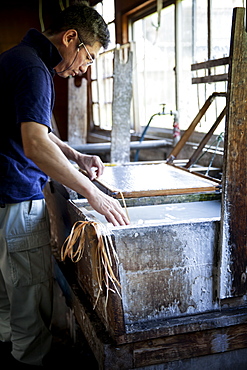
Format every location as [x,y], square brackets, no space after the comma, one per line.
[150,177]
[171,213]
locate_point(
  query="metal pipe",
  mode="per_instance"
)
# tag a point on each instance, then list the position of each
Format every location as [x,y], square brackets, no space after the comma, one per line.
[134,145]
[163,113]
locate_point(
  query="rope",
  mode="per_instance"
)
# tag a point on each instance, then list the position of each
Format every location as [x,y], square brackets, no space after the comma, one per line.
[104,256]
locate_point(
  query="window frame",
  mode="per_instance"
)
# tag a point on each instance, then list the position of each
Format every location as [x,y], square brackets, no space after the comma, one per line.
[123,33]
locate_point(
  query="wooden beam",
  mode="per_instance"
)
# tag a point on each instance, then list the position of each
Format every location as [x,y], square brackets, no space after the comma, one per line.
[210,64]
[174,348]
[233,248]
[211,78]
[176,150]
[207,65]
[205,139]
[77,112]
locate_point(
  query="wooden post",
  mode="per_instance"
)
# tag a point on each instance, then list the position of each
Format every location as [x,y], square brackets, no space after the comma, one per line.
[77,112]
[232,269]
[122,94]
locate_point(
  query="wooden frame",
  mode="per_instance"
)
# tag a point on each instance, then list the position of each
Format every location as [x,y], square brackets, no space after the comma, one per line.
[208,65]
[233,247]
[176,150]
[151,180]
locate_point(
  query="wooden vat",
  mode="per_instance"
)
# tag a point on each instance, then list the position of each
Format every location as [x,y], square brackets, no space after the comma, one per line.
[167,273]
[166,265]
[166,254]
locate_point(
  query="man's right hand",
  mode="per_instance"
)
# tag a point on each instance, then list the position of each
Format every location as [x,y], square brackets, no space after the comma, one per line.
[109,207]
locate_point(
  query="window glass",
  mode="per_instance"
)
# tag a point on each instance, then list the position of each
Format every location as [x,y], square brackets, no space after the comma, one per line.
[217,34]
[195,21]
[102,86]
[107,10]
[221,20]
[154,64]
[155,81]
[156,54]
[102,72]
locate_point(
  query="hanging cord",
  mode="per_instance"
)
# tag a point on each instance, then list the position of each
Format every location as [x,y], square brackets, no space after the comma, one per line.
[41,21]
[159,8]
[61,5]
[157,27]
[124,204]
[96,236]
[217,141]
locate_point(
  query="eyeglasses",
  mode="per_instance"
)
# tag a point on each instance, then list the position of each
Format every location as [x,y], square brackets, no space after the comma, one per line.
[88,54]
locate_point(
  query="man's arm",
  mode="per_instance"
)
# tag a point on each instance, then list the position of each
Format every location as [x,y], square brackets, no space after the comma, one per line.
[91,163]
[48,156]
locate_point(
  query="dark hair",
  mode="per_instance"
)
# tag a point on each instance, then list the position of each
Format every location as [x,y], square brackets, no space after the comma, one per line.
[86,20]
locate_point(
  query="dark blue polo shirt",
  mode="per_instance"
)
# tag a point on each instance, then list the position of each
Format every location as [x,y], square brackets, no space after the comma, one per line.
[26,94]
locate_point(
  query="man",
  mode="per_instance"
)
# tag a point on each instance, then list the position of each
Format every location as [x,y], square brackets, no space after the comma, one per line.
[29,152]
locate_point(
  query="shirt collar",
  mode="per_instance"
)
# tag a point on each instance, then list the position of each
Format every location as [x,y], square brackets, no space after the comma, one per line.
[44,47]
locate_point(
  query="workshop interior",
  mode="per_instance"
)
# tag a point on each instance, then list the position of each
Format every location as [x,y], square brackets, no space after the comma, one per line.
[164,107]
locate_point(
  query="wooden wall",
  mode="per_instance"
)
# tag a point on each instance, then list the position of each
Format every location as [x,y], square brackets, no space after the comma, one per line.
[16,18]
[124,9]
[130,9]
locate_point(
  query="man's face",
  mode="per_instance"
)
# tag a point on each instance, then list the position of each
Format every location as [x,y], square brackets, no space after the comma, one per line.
[77,60]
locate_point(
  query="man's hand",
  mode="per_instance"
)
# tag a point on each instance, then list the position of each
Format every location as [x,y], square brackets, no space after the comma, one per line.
[108,206]
[92,164]
[51,156]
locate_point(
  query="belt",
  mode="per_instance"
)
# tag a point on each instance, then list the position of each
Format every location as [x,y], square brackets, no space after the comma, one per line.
[2,205]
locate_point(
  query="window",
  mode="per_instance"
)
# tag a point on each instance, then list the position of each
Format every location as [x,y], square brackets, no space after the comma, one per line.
[159,54]
[102,86]
[102,73]
[210,40]
[107,10]
[154,67]
[221,20]
[190,31]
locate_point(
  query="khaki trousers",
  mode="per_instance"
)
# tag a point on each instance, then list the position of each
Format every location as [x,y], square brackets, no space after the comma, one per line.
[25,280]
